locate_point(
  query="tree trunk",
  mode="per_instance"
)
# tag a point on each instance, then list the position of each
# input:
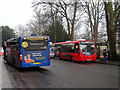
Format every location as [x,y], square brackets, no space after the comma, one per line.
[73,21]
[55,31]
[92,36]
[68,25]
[112,45]
[112,38]
[96,34]
[111,31]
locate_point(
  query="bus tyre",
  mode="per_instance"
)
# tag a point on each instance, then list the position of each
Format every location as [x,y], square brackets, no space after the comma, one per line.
[72,59]
[59,57]
[14,62]
[5,60]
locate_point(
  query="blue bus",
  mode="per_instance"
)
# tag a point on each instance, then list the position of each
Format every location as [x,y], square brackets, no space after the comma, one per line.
[27,51]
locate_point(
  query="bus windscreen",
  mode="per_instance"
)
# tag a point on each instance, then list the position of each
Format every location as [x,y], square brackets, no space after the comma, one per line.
[87,48]
[36,45]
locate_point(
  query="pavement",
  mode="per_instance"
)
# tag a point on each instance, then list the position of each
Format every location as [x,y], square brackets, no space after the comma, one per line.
[116,63]
[4,78]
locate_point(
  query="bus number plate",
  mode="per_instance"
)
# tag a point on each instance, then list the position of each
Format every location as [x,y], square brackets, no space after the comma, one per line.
[36,63]
[88,59]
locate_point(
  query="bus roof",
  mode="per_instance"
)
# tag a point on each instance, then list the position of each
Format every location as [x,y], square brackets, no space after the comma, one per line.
[11,39]
[14,39]
[72,41]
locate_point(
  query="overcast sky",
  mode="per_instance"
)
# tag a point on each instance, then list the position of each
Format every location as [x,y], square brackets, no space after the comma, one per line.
[14,12]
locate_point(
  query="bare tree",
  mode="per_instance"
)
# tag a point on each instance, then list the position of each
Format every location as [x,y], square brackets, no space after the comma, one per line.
[95,11]
[22,30]
[86,34]
[112,11]
[63,8]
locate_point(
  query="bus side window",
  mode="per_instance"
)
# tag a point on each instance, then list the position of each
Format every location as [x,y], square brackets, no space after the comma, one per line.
[76,48]
[12,51]
[17,50]
[72,49]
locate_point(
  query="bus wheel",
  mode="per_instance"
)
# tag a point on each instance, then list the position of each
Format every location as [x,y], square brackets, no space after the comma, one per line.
[5,60]
[72,59]
[14,62]
[59,57]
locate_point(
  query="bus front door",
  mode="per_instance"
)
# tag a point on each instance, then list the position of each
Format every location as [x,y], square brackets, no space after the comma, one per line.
[76,52]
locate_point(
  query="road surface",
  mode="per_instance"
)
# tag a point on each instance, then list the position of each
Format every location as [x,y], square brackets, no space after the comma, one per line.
[66,74]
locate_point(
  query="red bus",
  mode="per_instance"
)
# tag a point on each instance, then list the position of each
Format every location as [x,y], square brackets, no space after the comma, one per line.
[81,50]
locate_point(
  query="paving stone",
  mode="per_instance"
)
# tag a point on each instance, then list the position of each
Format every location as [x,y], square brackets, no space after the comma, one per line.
[4,78]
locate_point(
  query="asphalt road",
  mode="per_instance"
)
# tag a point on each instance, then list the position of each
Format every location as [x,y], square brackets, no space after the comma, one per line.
[65,74]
